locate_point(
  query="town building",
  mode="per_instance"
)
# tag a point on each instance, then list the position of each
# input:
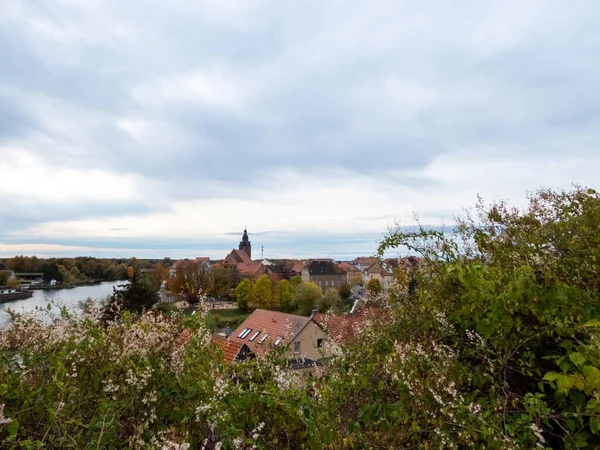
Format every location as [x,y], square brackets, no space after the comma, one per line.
[304,341]
[325,273]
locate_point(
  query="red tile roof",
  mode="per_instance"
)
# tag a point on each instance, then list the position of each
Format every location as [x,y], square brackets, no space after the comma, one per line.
[274,325]
[237,257]
[347,267]
[252,269]
[365,260]
[230,348]
[346,328]
[377,268]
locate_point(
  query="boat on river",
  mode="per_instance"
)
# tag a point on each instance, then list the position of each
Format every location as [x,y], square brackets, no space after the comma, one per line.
[8,294]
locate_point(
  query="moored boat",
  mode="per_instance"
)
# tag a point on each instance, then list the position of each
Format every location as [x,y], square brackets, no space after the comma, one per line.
[8,294]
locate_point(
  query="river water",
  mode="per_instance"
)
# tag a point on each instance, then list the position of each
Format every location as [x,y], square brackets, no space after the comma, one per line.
[67,297]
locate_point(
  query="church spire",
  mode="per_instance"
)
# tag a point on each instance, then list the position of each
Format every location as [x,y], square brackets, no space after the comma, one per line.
[245,244]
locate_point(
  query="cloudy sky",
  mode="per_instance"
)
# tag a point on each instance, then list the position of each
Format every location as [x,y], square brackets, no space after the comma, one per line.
[162,128]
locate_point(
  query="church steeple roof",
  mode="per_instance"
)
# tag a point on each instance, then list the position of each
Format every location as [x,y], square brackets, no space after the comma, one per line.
[245,244]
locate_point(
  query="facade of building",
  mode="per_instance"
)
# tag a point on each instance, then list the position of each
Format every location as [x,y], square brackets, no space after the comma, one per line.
[324,273]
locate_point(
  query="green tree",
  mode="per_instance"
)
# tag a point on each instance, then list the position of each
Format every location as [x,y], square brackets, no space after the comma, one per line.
[285,295]
[330,300]
[306,298]
[374,286]
[263,292]
[243,292]
[345,291]
[295,282]
[137,295]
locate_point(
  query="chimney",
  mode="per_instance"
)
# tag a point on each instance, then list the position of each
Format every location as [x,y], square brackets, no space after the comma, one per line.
[313,313]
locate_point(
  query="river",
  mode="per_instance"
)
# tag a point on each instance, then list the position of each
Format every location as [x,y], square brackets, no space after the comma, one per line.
[68,297]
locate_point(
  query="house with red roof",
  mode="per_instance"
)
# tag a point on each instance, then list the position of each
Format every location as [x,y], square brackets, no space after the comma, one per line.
[304,341]
[379,272]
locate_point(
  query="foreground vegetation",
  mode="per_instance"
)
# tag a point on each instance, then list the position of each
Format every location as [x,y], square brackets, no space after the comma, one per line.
[492,343]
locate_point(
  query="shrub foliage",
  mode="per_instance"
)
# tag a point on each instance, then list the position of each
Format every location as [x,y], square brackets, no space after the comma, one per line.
[495,345]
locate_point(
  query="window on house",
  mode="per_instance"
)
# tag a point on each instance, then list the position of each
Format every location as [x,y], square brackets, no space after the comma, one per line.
[319,343]
[262,339]
[326,283]
[320,283]
[254,336]
[278,341]
[296,347]
[245,333]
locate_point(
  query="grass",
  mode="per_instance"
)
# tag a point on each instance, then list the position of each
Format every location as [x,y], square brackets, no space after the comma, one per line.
[227,313]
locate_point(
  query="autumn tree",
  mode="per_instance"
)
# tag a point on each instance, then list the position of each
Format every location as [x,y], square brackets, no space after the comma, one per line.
[330,300]
[285,295]
[374,286]
[191,279]
[306,297]
[262,296]
[243,292]
[295,282]
[224,279]
[345,291]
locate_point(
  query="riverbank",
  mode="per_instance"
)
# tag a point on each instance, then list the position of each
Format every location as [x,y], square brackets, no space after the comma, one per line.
[59,286]
[57,297]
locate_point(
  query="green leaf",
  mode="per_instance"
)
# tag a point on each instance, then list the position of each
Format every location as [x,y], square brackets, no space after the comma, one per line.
[12,428]
[592,323]
[595,424]
[592,374]
[577,358]
[550,376]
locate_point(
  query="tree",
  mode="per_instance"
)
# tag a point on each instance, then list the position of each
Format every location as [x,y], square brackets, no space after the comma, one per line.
[191,279]
[374,286]
[51,272]
[262,296]
[137,295]
[285,295]
[330,300]
[306,297]
[345,291]
[243,292]
[295,282]
[224,279]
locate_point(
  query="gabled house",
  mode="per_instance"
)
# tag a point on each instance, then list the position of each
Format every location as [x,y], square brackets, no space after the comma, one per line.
[364,262]
[324,273]
[379,272]
[301,337]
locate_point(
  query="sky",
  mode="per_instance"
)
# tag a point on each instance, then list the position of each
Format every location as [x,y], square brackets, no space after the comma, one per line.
[162,128]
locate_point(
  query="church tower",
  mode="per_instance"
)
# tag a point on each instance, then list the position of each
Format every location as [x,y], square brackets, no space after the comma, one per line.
[245,244]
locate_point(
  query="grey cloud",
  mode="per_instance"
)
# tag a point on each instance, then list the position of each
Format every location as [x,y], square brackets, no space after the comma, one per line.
[372,89]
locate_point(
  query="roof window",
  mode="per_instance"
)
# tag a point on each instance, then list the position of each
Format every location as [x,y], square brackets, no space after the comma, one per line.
[262,339]
[245,333]
[254,336]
